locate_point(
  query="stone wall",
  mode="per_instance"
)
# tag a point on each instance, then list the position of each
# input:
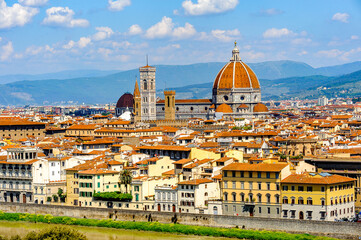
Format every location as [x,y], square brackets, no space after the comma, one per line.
[345,230]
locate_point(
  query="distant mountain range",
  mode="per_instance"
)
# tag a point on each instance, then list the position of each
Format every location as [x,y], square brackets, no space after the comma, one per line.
[279,80]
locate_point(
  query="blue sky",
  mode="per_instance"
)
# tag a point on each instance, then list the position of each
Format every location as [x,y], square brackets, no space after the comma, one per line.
[39,36]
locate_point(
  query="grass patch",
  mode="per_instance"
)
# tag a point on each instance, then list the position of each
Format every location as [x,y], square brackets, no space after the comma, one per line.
[161,227]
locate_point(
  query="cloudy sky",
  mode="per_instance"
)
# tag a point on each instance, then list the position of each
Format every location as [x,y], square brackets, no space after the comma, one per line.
[39,36]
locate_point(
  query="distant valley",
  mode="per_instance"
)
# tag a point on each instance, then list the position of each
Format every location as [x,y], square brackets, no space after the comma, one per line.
[279,80]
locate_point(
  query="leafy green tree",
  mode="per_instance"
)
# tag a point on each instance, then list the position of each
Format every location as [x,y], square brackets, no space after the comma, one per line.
[125,178]
[56,233]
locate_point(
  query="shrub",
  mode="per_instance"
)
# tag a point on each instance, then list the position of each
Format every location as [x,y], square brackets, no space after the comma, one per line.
[112,196]
[57,232]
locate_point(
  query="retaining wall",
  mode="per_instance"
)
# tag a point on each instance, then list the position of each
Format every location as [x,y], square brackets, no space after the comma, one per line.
[346,230]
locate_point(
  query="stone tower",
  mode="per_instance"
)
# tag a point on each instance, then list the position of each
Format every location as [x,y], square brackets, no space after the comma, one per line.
[137,102]
[147,93]
[169,105]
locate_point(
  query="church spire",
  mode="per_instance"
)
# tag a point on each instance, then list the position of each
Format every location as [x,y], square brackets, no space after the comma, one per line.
[235,53]
[136,92]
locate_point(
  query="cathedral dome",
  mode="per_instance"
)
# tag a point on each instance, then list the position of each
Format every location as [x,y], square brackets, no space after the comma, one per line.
[236,74]
[224,108]
[126,100]
[260,107]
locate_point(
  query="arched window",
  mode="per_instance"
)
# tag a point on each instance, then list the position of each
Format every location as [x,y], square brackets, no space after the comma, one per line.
[225,196]
[285,200]
[145,85]
[300,200]
[242,197]
[259,196]
[268,198]
[309,201]
[234,198]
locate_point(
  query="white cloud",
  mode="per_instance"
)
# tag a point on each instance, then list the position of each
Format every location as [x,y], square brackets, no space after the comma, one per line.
[135,30]
[329,53]
[105,52]
[225,35]
[118,5]
[16,15]
[103,33]
[184,32]
[123,45]
[278,33]
[202,7]
[301,41]
[355,37]
[82,43]
[168,48]
[161,29]
[33,3]
[342,17]
[165,28]
[302,53]
[252,55]
[35,50]
[6,51]
[60,16]
[271,12]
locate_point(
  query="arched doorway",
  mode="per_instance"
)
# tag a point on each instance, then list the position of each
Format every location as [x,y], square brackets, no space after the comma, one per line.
[301,215]
[24,198]
[215,210]
[159,208]
[173,208]
[11,197]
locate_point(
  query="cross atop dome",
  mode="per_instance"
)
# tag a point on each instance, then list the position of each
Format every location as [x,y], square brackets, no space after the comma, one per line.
[235,53]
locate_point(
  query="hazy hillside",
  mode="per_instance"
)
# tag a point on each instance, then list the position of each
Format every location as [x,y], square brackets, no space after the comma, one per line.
[56,75]
[190,81]
[286,88]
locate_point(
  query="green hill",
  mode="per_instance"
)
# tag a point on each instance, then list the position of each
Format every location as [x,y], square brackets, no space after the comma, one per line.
[190,81]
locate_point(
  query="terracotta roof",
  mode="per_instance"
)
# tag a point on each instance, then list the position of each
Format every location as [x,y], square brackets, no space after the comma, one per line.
[195,181]
[82,127]
[243,106]
[180,101]
[225,108]
[183,161]
[260,107]
[311,178]
[261,167]
[166,147]
[236,74]
[97,172]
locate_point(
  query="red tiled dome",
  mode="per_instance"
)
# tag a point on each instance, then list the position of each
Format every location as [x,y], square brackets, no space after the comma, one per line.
[224,108]
[126,100]
[260,107]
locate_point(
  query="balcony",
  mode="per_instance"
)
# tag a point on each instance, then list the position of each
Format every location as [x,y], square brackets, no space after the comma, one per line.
[13,177]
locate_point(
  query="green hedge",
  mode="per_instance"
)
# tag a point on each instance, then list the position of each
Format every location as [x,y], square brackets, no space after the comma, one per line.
[112,196]
[160,227]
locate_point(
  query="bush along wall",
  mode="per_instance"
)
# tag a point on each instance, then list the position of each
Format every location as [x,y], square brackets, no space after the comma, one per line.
[161,227]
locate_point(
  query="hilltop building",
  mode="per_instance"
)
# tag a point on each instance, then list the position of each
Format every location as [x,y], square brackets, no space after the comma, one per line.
[236,93]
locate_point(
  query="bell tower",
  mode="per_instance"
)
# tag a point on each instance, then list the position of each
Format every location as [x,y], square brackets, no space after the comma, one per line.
[137,102]
[147,93]
[169,105]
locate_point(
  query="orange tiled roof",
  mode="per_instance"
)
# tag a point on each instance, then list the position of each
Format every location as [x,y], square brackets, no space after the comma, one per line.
[195,181]
[261,167]
[308,178]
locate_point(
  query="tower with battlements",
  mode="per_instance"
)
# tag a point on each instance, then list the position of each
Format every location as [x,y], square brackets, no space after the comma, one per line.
[147,93]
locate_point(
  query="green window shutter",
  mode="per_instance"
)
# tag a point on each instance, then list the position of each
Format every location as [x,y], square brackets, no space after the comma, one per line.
[98,184]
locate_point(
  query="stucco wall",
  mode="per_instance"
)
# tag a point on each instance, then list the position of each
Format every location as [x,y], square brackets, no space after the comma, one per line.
[334,229]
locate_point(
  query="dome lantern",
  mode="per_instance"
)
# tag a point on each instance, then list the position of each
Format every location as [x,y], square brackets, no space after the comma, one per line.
[235,53]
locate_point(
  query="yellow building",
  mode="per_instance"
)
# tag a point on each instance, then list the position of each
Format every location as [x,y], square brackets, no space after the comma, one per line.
[96,180]
[318,196]
[252,189]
